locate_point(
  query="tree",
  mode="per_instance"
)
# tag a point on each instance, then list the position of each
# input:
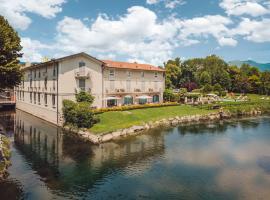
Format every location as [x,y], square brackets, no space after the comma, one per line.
[173,72]
[205,78]
[217,88]
[10,74]
[168,95]
[83,96]
[207,88]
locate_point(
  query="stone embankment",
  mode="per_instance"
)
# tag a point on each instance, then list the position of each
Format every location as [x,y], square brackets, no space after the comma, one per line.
[4,156]
[135,130]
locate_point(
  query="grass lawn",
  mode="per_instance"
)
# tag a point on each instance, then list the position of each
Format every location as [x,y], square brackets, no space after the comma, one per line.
[111,121]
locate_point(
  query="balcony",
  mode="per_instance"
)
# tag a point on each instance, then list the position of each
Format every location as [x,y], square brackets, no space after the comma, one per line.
[85,89]
[82,72]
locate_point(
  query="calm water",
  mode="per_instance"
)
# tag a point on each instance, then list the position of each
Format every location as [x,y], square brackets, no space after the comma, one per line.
[229,160]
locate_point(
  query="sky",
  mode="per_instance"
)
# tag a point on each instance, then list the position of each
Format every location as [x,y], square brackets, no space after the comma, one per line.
[146,31]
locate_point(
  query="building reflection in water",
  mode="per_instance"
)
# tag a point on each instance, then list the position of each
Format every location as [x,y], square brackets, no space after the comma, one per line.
[7,119]
[67,164]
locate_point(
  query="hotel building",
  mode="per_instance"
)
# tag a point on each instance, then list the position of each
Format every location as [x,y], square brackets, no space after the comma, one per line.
[46,85]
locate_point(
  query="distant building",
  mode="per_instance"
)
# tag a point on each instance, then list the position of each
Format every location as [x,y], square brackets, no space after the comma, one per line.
[46,85]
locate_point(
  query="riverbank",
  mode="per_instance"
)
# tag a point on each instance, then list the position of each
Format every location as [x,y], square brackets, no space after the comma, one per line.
[192,115]
[4,156]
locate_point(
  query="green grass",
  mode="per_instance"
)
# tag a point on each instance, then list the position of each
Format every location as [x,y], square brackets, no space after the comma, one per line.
[111,121]
[114,120]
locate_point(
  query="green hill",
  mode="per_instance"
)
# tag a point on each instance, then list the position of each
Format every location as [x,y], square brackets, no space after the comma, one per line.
[261,66]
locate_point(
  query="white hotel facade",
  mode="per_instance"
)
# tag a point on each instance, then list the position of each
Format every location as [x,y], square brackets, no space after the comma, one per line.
[46,85]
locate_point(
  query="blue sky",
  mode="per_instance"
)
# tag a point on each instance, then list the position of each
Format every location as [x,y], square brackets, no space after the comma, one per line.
[149,31]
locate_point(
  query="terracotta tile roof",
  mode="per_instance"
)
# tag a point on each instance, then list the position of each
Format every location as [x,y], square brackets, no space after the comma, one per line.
[134,66]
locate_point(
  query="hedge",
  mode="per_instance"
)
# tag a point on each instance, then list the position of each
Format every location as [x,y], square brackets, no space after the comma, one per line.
[133,107]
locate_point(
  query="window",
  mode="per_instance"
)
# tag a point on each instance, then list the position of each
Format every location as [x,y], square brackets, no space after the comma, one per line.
[112,85]
[30,97]
[81,64]
[155,99]
[38,98]
[142,101]
[156,86]
[45,99]
[30,82]
[82,84]
[34,98]
[45,83]
[53,100]
[35,73]
[23,95]
[53,85]
[54,71]
[143,86]
[39,73]
[142,74]
[128,100]
[156,74]
[111,74]
[128,85]
[128,74]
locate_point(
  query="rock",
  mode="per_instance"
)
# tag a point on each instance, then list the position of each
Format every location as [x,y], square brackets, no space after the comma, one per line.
[146,127]
[116,134]
[174,122]
[137,128]
[124,133]
[93,138]
[107,137]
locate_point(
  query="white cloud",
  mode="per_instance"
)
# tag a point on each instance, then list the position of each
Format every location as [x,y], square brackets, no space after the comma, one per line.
[223,41]
[31,49]
[136,35]
[253,30]
[240,7]
[203,27]
[171,4]
[152,1]
[16,10]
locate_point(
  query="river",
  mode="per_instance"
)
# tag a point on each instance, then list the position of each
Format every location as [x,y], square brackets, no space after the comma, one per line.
[226,160]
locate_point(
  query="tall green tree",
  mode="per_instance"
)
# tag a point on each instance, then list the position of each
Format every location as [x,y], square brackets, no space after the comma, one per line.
[173,72]
[205,78]
[10,74]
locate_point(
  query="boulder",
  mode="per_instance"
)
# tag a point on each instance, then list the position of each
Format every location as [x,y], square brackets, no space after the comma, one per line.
[116,133]
[107,137]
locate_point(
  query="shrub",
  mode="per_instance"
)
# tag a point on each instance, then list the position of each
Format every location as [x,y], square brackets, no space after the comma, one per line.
[190,86]
[84,116]
[69,111]
[217,88]
[169,95]
[78,114]
[83,96]
[207,88]
[133,107]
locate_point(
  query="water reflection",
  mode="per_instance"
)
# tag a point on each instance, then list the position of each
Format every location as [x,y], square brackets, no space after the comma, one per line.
[224,160]
[67,164]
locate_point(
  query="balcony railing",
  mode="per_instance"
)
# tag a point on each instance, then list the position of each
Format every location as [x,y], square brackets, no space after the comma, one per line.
[82,72]
[86,89]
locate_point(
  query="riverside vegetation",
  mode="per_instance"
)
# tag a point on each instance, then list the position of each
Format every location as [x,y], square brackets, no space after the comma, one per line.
[4,156]
[116,124]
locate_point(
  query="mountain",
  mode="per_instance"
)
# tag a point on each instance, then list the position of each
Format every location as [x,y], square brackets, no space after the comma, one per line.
[261,66]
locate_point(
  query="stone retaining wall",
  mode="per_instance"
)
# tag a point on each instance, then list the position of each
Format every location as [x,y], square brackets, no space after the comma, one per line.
[135,130]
